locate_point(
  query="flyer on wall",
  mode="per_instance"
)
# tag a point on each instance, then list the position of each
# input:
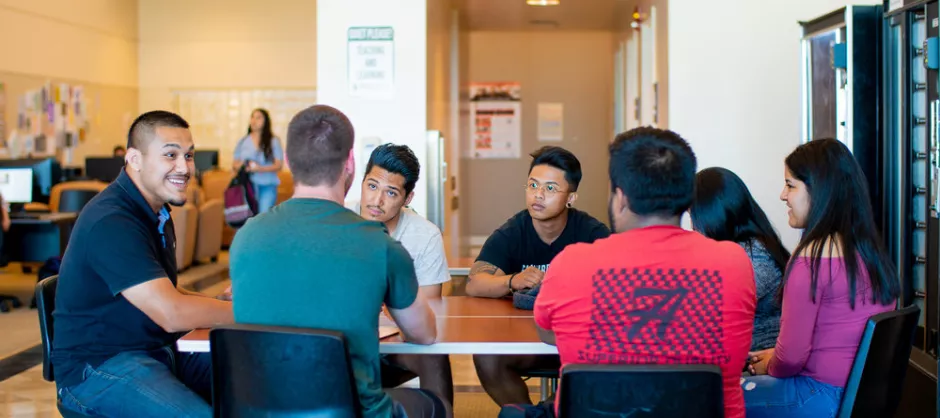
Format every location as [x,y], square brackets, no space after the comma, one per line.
[496,115]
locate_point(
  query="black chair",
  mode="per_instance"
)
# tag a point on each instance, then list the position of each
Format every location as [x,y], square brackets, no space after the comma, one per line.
[548,381]
[45,304]
[261,371]
[641,391]
[73,200]
[877,375]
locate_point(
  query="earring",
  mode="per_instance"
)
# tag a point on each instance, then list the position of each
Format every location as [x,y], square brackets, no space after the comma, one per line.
[568,205]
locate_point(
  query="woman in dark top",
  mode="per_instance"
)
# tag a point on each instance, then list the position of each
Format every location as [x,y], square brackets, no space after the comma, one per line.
[724,210]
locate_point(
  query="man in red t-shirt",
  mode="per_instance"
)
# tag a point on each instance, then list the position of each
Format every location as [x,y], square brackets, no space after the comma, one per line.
[652,293]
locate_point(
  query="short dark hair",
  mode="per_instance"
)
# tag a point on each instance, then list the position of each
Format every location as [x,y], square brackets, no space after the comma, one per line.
[318,142]
[141,131]
[655,169]
[561,159]
[398,159]
[118,148]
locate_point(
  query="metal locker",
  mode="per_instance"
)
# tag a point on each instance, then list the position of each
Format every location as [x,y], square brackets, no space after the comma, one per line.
[911,170]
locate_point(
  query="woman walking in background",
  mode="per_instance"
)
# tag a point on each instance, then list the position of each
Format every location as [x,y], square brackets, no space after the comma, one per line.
[263,156]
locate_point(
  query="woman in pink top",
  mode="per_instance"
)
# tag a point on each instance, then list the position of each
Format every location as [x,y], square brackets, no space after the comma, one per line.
[839,276]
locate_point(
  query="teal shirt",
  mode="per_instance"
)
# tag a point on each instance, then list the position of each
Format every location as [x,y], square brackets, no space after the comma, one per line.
[312,263]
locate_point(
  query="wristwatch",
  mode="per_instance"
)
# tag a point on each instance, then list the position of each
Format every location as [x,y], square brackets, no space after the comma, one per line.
[511,290]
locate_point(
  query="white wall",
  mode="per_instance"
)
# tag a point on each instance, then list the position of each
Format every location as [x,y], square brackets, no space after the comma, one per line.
[401,119]
[734,87]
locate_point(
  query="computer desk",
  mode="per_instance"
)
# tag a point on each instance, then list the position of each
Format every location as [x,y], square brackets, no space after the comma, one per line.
[64,221]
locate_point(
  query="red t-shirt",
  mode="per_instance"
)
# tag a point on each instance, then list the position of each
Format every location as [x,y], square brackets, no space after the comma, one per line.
[666,296]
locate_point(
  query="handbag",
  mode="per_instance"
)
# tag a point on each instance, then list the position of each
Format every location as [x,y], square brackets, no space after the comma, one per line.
[240,200]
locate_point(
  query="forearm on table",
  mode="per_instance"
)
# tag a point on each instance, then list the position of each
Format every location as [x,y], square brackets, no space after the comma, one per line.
[198,311]
[488,285]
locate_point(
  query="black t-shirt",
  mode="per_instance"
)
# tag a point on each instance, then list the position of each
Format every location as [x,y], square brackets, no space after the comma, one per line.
[118,242]
[515,245]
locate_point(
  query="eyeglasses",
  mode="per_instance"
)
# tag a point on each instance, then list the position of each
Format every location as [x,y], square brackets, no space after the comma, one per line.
[550,188]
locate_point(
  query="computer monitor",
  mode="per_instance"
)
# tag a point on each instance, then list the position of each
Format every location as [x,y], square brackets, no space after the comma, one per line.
[105,169]
[16,184]
[206,160]
[47,172]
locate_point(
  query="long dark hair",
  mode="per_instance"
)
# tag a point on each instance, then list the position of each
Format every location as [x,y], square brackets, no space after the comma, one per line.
[266,135]
[840,212]
[724,210]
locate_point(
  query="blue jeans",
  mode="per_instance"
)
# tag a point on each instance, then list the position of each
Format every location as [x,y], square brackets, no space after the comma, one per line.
[792,397]
[142,384]
[266,194]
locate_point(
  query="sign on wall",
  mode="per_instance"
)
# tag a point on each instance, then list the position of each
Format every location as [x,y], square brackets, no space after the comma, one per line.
[371,61]
[496,115]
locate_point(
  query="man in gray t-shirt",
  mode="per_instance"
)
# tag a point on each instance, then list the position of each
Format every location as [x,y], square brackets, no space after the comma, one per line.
[387,188]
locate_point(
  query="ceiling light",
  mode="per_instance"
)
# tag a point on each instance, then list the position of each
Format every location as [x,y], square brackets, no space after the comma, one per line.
[543,2]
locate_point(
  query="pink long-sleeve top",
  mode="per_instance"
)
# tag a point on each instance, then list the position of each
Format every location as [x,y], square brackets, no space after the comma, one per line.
[819,340]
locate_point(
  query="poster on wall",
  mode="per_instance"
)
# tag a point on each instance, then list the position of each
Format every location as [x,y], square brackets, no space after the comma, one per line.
[496,120]
[371,62]
[551,121]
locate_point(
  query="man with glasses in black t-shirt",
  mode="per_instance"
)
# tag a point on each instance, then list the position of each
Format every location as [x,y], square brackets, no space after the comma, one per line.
[515,257]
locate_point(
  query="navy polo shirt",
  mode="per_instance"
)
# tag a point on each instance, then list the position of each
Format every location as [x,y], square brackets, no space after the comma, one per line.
[118,242]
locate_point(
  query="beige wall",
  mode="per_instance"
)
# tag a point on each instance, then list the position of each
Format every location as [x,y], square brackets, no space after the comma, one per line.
[573,68]
[218,44]
[92,43]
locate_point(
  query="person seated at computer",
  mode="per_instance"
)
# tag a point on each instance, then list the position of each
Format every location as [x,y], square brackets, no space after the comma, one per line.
[724,210]
[840,275]
[261,153]
[515,257]
[652,293]
[312,263]
[387,190]
[119,152]
[118,311]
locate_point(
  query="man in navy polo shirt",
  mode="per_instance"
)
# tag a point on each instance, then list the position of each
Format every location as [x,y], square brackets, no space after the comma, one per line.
[118,311]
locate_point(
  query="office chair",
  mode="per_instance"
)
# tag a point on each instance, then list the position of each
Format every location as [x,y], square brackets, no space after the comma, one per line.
[261,371]
[640,391]
[45,302]
[877,375]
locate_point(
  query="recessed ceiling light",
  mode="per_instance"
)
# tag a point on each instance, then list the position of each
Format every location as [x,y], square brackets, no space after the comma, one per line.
[543,2]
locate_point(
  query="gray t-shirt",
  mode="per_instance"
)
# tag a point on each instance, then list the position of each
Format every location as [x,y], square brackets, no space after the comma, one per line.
[424,244]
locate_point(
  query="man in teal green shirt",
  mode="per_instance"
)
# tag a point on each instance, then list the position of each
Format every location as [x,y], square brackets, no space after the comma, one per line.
[311,263]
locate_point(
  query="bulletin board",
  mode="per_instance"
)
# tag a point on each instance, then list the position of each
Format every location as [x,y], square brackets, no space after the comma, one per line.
[219,118]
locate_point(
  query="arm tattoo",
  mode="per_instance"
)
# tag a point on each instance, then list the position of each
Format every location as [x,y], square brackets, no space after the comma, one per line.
[483,267]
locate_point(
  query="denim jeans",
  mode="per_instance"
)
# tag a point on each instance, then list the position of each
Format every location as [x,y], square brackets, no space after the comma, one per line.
[143,384]
[792,397]
[266,195]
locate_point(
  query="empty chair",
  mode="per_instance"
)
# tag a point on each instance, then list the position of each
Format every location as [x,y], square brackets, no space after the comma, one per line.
[185,222]
[209,231]
[72,196]
[260,371]
[640,391]
[45,304]
[214,183]
[877,375]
